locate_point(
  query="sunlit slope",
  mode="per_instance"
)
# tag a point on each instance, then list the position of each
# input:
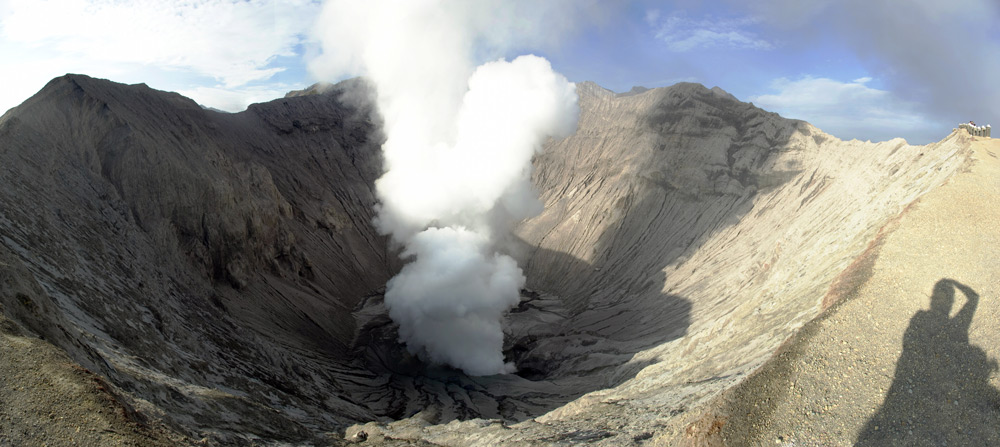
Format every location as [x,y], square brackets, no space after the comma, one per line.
[685,195]
[911,354]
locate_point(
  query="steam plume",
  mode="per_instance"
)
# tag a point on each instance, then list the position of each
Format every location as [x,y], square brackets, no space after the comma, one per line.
[459,143]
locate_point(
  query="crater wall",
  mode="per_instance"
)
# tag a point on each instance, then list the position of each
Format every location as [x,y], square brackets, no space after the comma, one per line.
[222,273]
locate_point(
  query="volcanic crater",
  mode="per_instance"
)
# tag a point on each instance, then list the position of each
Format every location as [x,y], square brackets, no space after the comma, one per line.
[222,273]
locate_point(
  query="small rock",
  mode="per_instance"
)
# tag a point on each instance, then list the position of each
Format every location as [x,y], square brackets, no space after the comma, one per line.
[359,437]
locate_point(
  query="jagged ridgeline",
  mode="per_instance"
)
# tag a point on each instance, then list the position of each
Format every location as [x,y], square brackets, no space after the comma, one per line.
[218,275]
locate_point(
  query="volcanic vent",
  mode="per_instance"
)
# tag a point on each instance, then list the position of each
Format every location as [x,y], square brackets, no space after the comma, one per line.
[221,271]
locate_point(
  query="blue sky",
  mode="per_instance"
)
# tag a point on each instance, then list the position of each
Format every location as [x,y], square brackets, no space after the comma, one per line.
[865,69]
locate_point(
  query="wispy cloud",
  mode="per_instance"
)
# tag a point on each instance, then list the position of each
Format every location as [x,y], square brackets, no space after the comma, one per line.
[234,42]
[851,109]
[681,33]
[942,56]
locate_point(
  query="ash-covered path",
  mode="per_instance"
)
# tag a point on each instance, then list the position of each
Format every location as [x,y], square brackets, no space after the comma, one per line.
[909,356]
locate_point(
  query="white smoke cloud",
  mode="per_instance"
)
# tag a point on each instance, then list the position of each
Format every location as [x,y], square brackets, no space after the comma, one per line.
[508,109]
[449,302]
[459,143]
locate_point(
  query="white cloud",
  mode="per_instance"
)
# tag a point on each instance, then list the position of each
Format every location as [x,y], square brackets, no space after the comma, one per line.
[849,109]
[941,55]
[232,42]
[682,34]
[236,99]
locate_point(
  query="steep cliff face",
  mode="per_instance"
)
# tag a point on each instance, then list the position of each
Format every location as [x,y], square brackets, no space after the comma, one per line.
[206,262]
[222,272]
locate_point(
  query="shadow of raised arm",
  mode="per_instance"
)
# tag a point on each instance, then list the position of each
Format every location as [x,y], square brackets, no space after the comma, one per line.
[964,317]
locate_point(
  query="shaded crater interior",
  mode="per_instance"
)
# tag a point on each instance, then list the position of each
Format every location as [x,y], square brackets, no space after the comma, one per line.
[555,364]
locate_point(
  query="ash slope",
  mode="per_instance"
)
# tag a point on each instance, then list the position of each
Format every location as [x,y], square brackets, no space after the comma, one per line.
[910,356]
[220,270]
[205,263]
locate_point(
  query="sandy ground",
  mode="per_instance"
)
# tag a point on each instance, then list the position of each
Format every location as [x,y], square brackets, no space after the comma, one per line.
[908,356]
[48,400]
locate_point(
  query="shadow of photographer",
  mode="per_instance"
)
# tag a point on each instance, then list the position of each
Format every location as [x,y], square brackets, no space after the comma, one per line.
[941,393]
